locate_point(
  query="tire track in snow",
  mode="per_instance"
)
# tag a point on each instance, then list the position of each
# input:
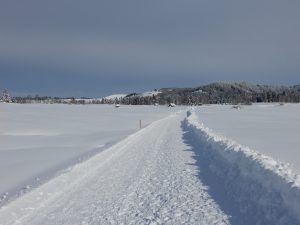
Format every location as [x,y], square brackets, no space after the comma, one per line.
[148,178]
[169,192]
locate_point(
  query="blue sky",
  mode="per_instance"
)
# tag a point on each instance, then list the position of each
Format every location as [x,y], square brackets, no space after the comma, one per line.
[95,48]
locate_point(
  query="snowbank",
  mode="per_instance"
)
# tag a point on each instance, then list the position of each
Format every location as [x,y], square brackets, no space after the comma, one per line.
[264,190]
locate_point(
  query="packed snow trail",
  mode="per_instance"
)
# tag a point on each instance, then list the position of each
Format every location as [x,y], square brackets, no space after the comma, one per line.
[148,178]
[174,171]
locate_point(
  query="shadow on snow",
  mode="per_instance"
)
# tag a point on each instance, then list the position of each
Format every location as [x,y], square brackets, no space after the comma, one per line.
[235,195]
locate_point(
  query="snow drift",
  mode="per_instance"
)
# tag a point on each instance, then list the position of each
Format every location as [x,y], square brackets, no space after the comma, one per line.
[263,190]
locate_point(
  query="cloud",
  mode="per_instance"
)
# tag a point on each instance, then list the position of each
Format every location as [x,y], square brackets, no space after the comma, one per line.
[195,40]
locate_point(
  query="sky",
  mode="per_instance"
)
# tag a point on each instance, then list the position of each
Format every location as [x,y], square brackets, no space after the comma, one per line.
[100,47]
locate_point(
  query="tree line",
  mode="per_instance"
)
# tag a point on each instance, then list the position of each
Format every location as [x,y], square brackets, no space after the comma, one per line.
[215,93]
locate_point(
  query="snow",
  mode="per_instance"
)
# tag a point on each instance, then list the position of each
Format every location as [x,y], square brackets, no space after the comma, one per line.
[148,178]
[37,141]
[263,190]
[150,93]
[186,167]
[199,91]
[113,97]
[270,129]
[144,94]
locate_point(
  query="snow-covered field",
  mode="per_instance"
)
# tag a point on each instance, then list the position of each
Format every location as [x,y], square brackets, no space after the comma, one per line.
[207,165]
[261,189]
[39,140]
[271,129]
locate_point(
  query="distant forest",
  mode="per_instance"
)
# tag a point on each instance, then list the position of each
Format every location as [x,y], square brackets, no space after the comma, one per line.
[215,93]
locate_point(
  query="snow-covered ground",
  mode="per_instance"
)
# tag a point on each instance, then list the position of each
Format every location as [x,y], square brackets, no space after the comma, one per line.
[113,97]
[177,170]
[148,178]
[150,93]
[39,140]
[261,189]
[270,129]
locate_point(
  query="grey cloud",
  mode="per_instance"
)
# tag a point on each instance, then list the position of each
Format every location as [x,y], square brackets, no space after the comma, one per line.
[196,40]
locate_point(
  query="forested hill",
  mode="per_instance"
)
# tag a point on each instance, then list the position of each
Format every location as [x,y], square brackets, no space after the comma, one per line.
[215,93]
[223,92]
[220,92]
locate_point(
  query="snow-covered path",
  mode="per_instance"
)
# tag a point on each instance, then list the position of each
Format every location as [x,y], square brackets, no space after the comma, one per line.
[148,178]
[174,171]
